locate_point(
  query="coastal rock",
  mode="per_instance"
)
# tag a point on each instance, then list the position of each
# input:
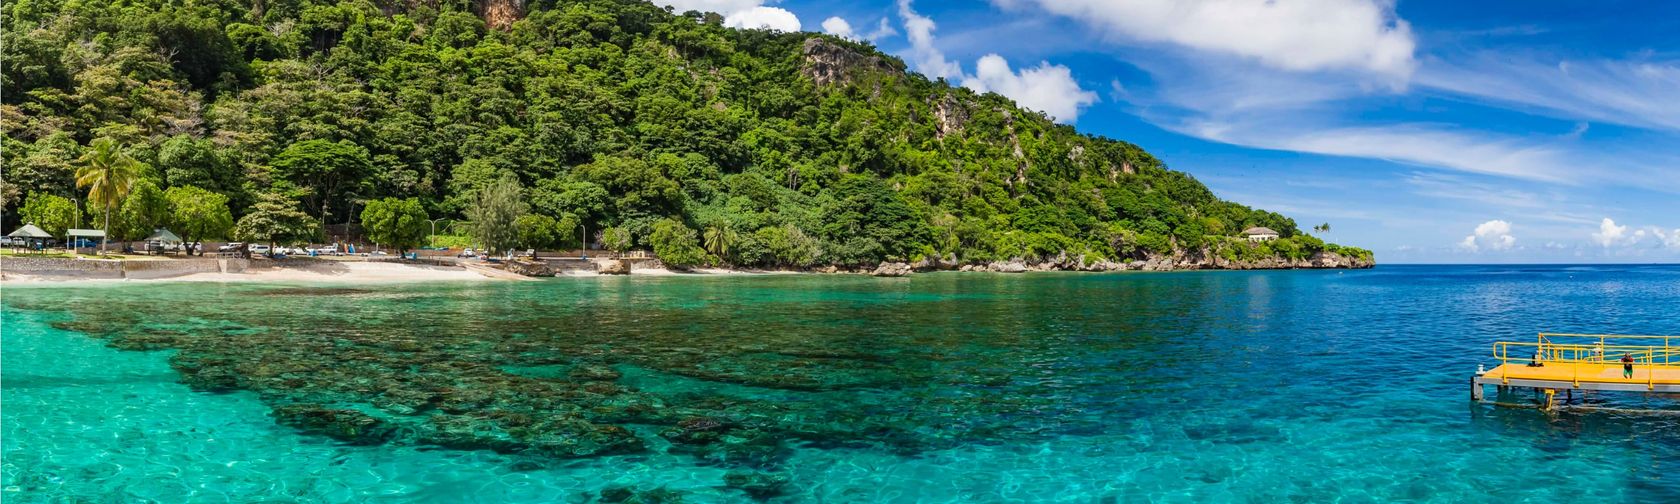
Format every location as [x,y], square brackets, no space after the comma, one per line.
[530,268]
[1015,265]
[342,424]
[892,269]
[612,267]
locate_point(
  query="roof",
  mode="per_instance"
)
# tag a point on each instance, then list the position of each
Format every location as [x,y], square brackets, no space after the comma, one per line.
[163,235]
[1259,231]
[29,231]
[90,233]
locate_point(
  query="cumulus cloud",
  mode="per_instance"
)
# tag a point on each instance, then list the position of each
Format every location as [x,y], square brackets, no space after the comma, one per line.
[751,14]
[1046,87]
[1362,35]
[1490,235]
[1049,88]
[927,57]
[1610,234]
[774,18]
[838,27]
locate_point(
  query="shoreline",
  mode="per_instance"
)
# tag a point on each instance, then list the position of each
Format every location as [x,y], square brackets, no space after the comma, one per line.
[336,271]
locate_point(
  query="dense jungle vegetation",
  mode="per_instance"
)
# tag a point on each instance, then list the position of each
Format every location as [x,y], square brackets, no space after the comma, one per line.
[545,122]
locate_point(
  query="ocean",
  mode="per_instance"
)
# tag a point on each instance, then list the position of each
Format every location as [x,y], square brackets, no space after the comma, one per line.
[1218,386]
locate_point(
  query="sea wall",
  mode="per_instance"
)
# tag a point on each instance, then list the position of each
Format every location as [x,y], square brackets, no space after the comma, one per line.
[115,269]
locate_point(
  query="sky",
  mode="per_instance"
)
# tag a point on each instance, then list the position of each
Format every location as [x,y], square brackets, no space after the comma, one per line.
[1427,131]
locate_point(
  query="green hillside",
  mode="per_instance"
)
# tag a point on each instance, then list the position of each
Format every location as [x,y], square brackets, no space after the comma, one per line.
[647,128]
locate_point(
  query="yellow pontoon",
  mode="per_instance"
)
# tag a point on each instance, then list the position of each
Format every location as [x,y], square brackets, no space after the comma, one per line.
[1566,362]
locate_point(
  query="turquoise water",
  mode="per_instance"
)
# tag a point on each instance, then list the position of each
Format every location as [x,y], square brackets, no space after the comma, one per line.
[1304,386]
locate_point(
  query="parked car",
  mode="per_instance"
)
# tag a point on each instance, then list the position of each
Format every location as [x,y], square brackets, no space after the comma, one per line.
[323,250]
[230,247]
[259,249]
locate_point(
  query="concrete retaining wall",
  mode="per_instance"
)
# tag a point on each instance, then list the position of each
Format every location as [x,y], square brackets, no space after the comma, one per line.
[101,268]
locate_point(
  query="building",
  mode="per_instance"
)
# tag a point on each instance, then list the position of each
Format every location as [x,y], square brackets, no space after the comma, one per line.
[1260,234]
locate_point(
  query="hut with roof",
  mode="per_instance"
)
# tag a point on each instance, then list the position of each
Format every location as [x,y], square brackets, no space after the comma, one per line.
[30,236]
[161,239]
[1260,234]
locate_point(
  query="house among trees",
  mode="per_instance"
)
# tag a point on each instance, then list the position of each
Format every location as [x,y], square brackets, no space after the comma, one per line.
[1260,234]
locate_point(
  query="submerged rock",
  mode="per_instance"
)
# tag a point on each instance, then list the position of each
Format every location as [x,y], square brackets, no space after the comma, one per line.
[758,485]
[342,424]
[628,495]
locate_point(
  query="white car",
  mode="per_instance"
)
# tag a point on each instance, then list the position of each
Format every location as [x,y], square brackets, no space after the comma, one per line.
[259,249]
[323,250]
[229,247]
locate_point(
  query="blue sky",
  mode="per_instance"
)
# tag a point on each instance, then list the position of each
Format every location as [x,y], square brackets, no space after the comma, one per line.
[1427,131]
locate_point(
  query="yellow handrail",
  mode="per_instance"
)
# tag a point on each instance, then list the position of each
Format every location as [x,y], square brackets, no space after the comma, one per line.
[1545,350]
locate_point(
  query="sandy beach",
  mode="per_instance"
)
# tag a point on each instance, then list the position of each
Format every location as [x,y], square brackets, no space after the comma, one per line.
[326,271]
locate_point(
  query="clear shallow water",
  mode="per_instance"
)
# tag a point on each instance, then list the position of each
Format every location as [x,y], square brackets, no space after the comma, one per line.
[1202,386]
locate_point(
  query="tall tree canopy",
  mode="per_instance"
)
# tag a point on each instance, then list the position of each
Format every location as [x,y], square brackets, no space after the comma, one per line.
[615,114]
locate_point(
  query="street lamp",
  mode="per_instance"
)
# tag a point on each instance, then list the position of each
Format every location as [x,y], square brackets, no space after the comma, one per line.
[433,237]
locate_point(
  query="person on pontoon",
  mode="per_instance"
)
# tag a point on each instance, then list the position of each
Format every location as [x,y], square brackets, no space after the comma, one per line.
[1627,365]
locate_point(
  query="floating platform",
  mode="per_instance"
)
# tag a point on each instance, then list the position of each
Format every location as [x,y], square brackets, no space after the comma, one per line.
[1556,362]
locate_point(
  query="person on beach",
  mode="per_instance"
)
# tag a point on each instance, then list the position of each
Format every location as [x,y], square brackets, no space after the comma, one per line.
[1627,365]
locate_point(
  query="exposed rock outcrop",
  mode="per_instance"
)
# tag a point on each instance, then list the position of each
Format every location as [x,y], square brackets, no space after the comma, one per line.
[612,267]
[892,269]
[529,268]
[830,63]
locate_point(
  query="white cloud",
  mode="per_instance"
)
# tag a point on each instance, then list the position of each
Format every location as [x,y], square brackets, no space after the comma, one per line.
[1491,235]
[838,27]
[1048,88]
[719,6]
[750,14]
[1609,233]
[774,18]
[1297,35]
[1629,92]
[926,57]
[1421,144]
[1670,239]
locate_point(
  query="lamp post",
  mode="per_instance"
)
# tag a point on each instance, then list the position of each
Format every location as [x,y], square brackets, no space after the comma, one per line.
[432,238]
[584,255]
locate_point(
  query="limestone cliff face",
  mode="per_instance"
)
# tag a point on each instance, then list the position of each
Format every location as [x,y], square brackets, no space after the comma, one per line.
[499,14]
[829,63]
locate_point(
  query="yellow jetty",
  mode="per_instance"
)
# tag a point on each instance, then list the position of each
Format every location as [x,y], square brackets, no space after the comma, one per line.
[1568,362]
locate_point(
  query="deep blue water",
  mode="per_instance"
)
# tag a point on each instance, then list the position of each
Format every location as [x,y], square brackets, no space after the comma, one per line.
[1302,386]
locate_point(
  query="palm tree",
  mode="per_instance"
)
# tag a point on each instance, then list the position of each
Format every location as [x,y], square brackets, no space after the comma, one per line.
[718,241]
[109,173]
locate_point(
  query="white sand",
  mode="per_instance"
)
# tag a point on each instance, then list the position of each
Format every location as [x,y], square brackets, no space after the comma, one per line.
[326,271]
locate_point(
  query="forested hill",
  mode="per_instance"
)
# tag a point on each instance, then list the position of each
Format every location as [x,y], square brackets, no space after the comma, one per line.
[649,128]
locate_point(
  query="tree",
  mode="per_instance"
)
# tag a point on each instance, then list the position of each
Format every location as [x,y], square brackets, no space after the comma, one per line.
[719,240]
[276,218]
[494,211]
[393,222]
[617,239]
[198,214]
[536,232]
[109,173]
[144,211]
[324,167]
[53,214]
[675,244]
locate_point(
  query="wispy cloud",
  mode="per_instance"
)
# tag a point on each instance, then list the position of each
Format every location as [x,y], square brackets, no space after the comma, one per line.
[1632,92]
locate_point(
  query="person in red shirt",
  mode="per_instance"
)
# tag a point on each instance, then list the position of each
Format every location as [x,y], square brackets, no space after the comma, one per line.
[1627,365]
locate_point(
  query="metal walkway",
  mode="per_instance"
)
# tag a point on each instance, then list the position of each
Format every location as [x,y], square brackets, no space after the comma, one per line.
[1558,362]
